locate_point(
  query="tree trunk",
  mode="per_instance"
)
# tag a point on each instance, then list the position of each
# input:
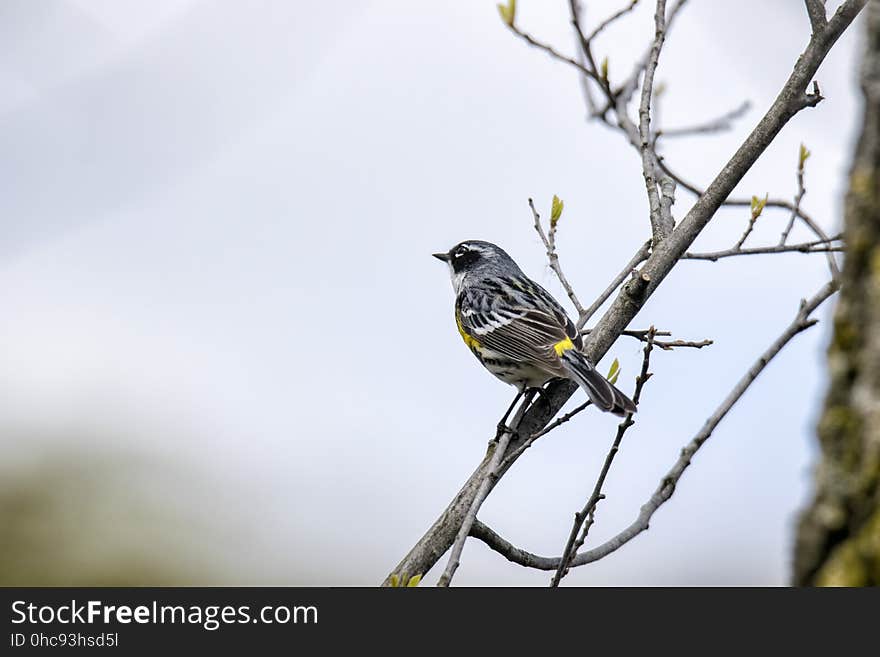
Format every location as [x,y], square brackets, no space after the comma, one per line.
[838,538]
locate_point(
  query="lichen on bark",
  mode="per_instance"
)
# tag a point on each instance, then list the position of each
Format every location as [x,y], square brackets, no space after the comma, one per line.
[838,536]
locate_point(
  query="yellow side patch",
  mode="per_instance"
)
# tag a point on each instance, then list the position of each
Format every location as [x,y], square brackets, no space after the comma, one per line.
[562,346]
[468,340]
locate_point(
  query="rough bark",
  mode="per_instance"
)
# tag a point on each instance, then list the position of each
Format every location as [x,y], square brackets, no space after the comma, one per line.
[838,538]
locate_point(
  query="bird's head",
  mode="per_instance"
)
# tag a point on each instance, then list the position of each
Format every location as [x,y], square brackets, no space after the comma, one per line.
[476,257]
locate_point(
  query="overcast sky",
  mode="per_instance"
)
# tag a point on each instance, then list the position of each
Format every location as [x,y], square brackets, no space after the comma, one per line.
[218,221]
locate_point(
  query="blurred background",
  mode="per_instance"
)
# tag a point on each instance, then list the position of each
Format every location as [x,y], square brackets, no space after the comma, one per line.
[228,358]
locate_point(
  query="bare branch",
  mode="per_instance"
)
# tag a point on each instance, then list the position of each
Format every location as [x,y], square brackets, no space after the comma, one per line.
[500,446]
[608,21]
[586,52]
[574,8]
[814,227]
[818,246]
[748,231]
[719,124]
[555,54]
[642,334]
[666,488]
[667,345]
[513,456]
[842,18]
[553,258]
[471,516]
[667,485]
[798,197]
[443,532]
[674,344]
[667,195]
[584,518]
[585,88]
[626,90]
[660,205]
[640,256]
[661,211]
[508,550]
[816,12]
[661,222]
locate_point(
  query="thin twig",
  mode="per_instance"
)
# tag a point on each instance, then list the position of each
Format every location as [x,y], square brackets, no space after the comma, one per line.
[639,136]
[798,197]
[508,550]
[666,488]
[613,17]
[662,221]
[585,88]
[661,218]
[768,203]
[483,491]
[586,50]
[553,258]
[674,344]
[515,454]
[624,93]
[748,231]
[642,334]
[719,124]
[585,517]
[555,54]
[667,345]
[817,246]
[640,256]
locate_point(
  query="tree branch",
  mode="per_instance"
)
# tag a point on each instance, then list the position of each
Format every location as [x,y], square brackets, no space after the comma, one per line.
[816,12]
[441,535]
[799,195]
[661,213]
[675,344]
[497,454]
[719,124]
[508,550]
[608,21]
[748,231]
[818,246]
[809,222]
[642,336]
[624,93]
[638,258]
[660,207]
[587,54]
[555,54]
[550,245]
[513,456]
[668,483]
[584,517]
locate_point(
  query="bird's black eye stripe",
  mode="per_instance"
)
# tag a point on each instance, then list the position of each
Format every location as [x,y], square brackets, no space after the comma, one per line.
[464,257]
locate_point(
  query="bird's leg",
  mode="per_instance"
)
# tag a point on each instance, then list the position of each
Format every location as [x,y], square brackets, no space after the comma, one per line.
[540,391]
[502,423]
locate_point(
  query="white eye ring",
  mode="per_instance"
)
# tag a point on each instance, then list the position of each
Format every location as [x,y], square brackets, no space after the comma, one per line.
[460,251]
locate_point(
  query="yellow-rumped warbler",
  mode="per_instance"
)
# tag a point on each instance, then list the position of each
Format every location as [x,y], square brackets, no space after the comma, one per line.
[517,330]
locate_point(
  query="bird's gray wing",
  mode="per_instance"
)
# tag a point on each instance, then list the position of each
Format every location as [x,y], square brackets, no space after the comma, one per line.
[530,333]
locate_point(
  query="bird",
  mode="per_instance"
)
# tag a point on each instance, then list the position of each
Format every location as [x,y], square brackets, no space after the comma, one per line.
[517,330]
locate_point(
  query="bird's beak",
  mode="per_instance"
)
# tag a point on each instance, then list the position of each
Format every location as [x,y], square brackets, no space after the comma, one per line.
[441,256]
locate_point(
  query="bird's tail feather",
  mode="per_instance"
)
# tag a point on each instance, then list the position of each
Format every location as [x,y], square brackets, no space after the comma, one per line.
[599,389]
